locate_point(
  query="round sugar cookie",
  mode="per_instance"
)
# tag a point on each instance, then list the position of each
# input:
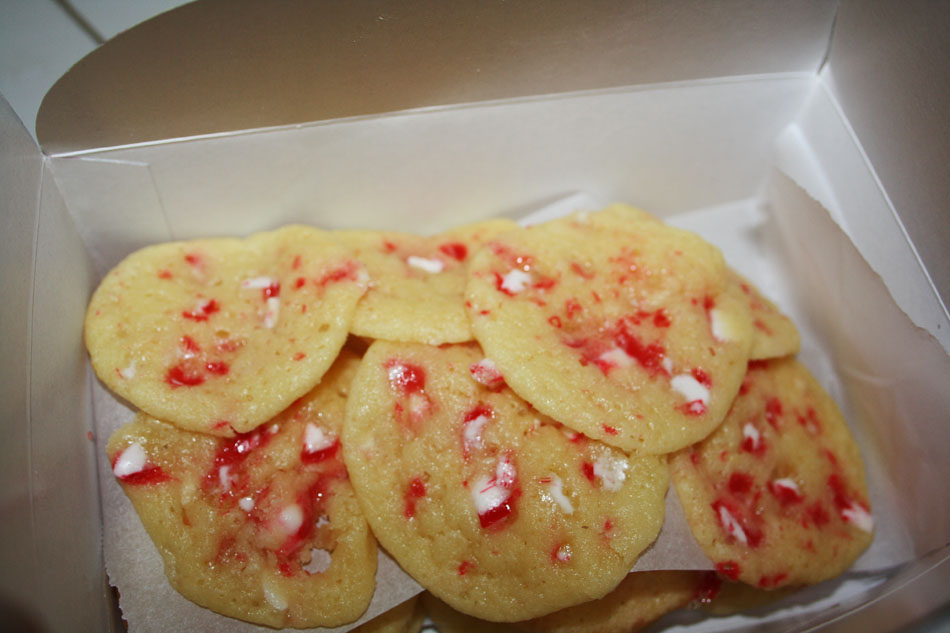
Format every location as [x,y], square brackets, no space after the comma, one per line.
[773,335]
[263,526]
[221,335]
[622,328]
[491,506]
[406,617]
[776,496]
[642,598]
[417,283]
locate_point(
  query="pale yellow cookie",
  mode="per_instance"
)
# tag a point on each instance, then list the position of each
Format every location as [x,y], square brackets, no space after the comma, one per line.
[221,335]
[263,526]
[773,335]
[403,618]
[614,324]
[490,505]
[417,283]
[642,598]
[776,496]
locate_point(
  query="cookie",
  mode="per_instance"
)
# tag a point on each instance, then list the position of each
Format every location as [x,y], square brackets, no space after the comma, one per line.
[403,618]
[614,324]
[737,597]
[482,499]
[221,335]
[263,526]
[773,335]
[776,496]
[417,283]
[448,620]
[642,598]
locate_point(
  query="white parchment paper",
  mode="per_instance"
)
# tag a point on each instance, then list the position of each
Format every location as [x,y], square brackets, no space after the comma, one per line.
[757,240]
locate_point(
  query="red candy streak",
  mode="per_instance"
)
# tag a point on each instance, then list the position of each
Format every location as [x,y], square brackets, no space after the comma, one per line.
[709,586]
[415,491]
[729,569]
[181,376]
[455,250]
[319,455]
[346,271]
[406,377]
[203,311]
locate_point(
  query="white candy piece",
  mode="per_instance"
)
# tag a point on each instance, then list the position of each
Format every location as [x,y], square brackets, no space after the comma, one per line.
[224,477]
[555,488]
[487,494]
[858,516]
[246,503]
[274,597]
[258,282]
[271,312]
[690,388]
[787,484]
[485,372]
[515,281]
[129,461]
[667,364]
[315,439]
[472,432]
[721,326]
[752,434]
[732,526]
[563,553]
[128,372]
[616,357]
[611,471]
[428,265]
[505,472]
[291,518]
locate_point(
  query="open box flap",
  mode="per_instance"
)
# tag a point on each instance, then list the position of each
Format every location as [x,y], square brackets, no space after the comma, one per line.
[21,166]
[213,67]
[888,70]
[49,509]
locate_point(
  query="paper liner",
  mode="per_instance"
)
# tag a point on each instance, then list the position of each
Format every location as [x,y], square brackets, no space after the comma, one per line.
[748,237]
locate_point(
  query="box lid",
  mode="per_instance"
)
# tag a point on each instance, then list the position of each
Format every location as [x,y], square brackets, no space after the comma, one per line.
[213,67]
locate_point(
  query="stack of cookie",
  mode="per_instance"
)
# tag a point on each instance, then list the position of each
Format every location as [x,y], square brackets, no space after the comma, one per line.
[501,408]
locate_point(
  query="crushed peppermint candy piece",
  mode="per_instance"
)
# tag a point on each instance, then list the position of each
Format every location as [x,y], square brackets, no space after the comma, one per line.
[721,326]
[563,553]
[615,357]
[690,388]
[273,596]
[472,431]
[258,282]
[291,518]
[490,494]
[315,439]
[224,477]
[752,439]
[271,312]
[246,503]
[433,266]
[129,461]
[127,372]
[611,471]
[515,281]
[485,372]
[555,489]
[857,515]
[731,525]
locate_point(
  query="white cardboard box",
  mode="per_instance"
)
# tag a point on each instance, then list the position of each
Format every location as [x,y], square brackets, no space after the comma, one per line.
[729,118]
